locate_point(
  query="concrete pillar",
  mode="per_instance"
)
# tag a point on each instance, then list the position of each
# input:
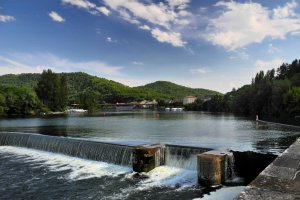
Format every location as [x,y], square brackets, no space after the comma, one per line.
[146,158]
[211,168]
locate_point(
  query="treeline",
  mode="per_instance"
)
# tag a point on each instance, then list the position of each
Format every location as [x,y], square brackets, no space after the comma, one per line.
[50,93]
[55,91]
[274,93]
[18,101]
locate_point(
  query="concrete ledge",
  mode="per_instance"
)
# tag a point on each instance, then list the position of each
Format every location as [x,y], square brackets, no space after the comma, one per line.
[211,167]
[280,180]
[145,158]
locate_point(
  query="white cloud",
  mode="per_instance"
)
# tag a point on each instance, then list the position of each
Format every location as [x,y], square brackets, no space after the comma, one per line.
[241,24]
[272,49]
[156,14]
[137,63]
[184,13]
[9,66]
[56,17]
[168,37]
[98,31]
[133,82]
[35,63]
[163,19]
[124,14]
[6,18]
[87,5]
[180,3]
[110,40]
[103,10]
[199,70]
[145,27]
[80,3]
[286,11]
[296,33]
[261,65]
[240,55]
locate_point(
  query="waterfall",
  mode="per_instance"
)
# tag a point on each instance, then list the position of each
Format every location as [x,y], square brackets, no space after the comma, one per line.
[111,153]
[230,166]
[230,170]
[183,156]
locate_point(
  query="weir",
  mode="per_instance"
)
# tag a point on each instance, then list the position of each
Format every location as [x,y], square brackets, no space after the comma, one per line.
[92,150]
[214,167]
[183,156]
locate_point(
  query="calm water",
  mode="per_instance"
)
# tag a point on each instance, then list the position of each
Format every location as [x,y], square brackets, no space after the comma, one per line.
[33,174]
[216,131]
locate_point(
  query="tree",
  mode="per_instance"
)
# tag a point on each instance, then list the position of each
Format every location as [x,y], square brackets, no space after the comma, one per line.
[18,101]
[2,104]
[52,90]
[292,101]
[63,91]
[89,99]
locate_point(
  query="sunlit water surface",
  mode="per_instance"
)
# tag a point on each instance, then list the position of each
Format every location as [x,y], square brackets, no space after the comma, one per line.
[33,174]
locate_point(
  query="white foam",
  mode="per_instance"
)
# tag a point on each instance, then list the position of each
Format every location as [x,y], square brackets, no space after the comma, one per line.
[79,168]
[226,193]
[76,169]
[163,176]
[170,176]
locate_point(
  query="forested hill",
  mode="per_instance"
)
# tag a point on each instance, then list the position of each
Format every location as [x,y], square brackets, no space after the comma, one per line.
[275,93]
[82,84]
[175,91]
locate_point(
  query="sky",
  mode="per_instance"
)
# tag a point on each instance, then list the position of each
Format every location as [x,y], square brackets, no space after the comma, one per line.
[217,45]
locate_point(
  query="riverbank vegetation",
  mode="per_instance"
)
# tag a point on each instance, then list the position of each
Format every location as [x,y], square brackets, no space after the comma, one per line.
[51,91]
[274,93]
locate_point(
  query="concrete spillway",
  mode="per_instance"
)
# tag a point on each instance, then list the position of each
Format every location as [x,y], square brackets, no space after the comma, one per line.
[92,150]
[214,167]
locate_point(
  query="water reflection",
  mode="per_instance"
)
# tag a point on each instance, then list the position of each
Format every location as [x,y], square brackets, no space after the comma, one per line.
[200,129]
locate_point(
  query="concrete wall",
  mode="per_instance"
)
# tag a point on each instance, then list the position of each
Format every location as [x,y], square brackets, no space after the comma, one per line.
[280,180]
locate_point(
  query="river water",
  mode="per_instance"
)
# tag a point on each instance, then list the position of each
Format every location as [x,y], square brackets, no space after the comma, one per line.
[33,174]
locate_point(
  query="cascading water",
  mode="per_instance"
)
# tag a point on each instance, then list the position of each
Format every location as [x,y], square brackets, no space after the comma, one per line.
[182,156]
[230,166]
[111,153]
[230,170]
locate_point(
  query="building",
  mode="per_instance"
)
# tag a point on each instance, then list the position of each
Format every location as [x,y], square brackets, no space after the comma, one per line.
[188,100]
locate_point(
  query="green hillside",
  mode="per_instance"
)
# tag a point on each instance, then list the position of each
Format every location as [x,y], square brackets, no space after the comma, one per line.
[108,90]
[174,91]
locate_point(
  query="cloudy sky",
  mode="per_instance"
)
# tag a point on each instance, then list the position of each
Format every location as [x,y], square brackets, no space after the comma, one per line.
[197,43]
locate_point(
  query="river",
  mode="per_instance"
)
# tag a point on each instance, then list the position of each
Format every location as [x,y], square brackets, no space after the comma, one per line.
[33,174]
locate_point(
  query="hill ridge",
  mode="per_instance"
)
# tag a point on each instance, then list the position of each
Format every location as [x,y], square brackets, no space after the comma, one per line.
[111,90]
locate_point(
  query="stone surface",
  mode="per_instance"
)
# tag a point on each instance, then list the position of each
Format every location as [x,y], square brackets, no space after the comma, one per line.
[145,158]
[297,176]
[279,171]
[264,194]
[289,161]
[280,180]
[211,168]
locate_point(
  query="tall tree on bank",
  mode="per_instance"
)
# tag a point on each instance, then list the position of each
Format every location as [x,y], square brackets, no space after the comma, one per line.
[52,90]
[63,91]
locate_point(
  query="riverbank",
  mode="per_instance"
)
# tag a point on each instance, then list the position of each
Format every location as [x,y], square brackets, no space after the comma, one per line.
[280,180]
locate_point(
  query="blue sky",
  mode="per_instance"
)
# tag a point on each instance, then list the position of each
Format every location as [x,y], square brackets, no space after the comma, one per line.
[209,44]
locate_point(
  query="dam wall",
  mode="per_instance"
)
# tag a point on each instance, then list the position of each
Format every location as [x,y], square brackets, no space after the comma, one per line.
[214,167]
